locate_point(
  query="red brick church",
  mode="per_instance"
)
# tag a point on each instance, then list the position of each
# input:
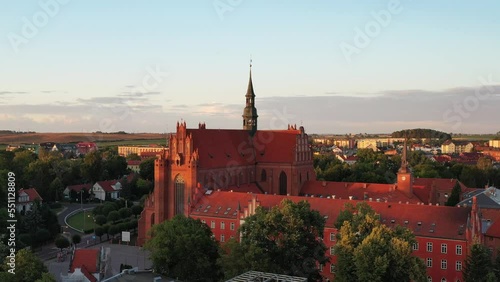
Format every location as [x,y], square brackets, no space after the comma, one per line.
[221,176]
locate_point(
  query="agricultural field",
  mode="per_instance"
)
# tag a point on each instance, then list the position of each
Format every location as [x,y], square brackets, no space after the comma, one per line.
[102,139]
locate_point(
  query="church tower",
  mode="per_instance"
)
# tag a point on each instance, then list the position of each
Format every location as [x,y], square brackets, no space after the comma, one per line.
[250,112]
[405,177]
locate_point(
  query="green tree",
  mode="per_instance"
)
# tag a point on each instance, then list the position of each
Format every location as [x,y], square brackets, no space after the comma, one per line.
[368,250]
[136,210]
[454,198]
[184,248]
[125,212]
[147,168]
[478,264]
[284,240]
[56,189]
[92,167]
[99,231]
[28,267]
[113,230]
[42,235]
[100,219]
[62,242]
[46,277]
[76,238]
[113,216]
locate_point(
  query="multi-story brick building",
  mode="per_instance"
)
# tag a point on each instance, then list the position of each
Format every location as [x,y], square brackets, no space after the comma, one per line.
[221,176]
[125,151]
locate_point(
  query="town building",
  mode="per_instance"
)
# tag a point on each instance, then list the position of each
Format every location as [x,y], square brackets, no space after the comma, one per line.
[26,199]
[88,265]
[495,143]
[125,151]
[456,147]
[107,190]
[134,165]
[222,176]
[76,189]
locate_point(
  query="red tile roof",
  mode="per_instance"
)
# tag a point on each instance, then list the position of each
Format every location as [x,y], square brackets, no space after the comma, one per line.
[421,219]
[107,185]
[343,190]
[244,188]
[85,257]
[87,274]
[32,194]
[78,188]
[223,148]
[442,184]
[134,162]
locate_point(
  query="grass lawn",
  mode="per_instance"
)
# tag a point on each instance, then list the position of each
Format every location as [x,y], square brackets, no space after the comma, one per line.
[76,221]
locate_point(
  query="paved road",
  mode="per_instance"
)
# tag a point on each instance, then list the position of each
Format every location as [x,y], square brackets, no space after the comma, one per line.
[50,251]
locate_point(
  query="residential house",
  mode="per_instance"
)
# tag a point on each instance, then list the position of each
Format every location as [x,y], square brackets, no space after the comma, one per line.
[109,189]
[26,199]
[495,143]
[456,147]
[77,189]
[84,148]
[67,150]
[134,165]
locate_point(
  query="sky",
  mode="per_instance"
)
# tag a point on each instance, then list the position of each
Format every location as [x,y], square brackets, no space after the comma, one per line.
[331,66]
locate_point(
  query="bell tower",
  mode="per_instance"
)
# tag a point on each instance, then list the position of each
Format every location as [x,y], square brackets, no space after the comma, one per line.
[250,112]
[405,177]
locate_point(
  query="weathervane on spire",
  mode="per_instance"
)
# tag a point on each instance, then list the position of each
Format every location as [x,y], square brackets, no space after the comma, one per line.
[250,61]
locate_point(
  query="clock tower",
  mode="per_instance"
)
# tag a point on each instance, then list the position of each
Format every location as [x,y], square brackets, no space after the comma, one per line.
[250,112]
[405,177]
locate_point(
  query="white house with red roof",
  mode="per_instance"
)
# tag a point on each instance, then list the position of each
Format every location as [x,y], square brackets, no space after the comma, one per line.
[109,188]
[87,265]
[26,199]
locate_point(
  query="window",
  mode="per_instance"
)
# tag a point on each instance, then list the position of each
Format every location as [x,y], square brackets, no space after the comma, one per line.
[321,268]
[203,221]
[212,224]
[444,264]
[444,248]
[332,237]
[232,226]
[429,262]
[222,237]
[332,268]
[458,266]
[429,279]
[222,225]
[415,246]
[332,250]
[459,249]
[429,247]
[443,279]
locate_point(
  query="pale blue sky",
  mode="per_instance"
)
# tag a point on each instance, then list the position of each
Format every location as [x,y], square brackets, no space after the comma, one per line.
[77,71]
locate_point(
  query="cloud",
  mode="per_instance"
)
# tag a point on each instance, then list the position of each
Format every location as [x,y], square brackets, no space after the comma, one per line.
[377,112]
[12,92]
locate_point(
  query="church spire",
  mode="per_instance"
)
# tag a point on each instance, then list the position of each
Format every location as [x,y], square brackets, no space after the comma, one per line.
[404,161]
[250,112]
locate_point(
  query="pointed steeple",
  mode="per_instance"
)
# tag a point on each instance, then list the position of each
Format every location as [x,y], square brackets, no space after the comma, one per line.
[250,92]
[250,112]
[404,161]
